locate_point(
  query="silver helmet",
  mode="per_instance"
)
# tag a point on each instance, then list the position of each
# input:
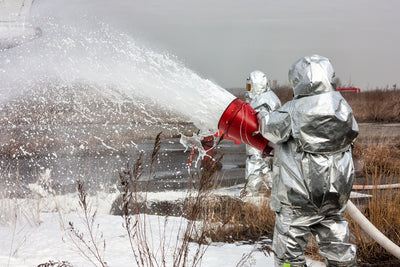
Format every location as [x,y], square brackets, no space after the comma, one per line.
[257,82]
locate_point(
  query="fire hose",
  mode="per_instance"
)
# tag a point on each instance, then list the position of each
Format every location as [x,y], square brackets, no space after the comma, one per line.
[371,230]
[379,186]
[239,121]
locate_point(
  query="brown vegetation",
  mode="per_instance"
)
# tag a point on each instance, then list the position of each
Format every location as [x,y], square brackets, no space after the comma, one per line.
[368,106]
[380,162]
[378,158]
[382,209]
[231,219]
[375,106]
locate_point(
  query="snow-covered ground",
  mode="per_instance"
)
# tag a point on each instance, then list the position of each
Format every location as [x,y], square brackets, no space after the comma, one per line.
[35,231]
[32,245]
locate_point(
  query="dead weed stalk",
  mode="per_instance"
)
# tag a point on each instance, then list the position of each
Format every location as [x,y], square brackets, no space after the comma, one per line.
[88,247]
[144,251]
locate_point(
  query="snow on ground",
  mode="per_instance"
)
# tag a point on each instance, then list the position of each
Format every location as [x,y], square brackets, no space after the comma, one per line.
[34,245]
[40,234]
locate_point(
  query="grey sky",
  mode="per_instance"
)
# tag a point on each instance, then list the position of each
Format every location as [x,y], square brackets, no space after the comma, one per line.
[225,40]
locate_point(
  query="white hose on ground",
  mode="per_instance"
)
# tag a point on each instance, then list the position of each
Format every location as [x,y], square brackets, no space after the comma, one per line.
[379,186]
[371,230]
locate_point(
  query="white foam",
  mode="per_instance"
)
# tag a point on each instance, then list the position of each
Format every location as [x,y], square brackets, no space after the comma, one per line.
[115,65]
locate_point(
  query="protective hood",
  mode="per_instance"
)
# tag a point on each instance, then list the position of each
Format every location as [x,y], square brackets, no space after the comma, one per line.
[259,82]
[311,75]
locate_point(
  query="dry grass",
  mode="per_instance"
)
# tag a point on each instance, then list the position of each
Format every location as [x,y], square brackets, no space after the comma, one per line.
[378,158]
[380,165]
[358,150]
[230,219]
[375,106]
[368,106]
[382,209]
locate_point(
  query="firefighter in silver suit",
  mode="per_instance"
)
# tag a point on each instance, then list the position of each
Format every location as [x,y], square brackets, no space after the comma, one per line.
[313,170]
[258,169]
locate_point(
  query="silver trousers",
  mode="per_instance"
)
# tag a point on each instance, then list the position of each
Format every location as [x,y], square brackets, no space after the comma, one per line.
[331,233]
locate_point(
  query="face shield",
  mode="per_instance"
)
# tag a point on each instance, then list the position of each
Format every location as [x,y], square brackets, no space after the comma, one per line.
[248,84]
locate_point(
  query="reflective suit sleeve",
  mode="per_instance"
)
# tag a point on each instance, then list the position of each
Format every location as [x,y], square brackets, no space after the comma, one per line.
[275,126]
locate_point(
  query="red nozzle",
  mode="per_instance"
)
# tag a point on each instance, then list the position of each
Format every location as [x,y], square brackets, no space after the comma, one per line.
[239,121]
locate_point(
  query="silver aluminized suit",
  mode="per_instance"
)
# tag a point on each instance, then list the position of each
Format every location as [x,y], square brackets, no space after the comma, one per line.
[313,167]
[258,169]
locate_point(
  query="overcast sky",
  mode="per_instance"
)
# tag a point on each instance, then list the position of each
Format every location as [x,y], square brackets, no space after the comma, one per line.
[224,40]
